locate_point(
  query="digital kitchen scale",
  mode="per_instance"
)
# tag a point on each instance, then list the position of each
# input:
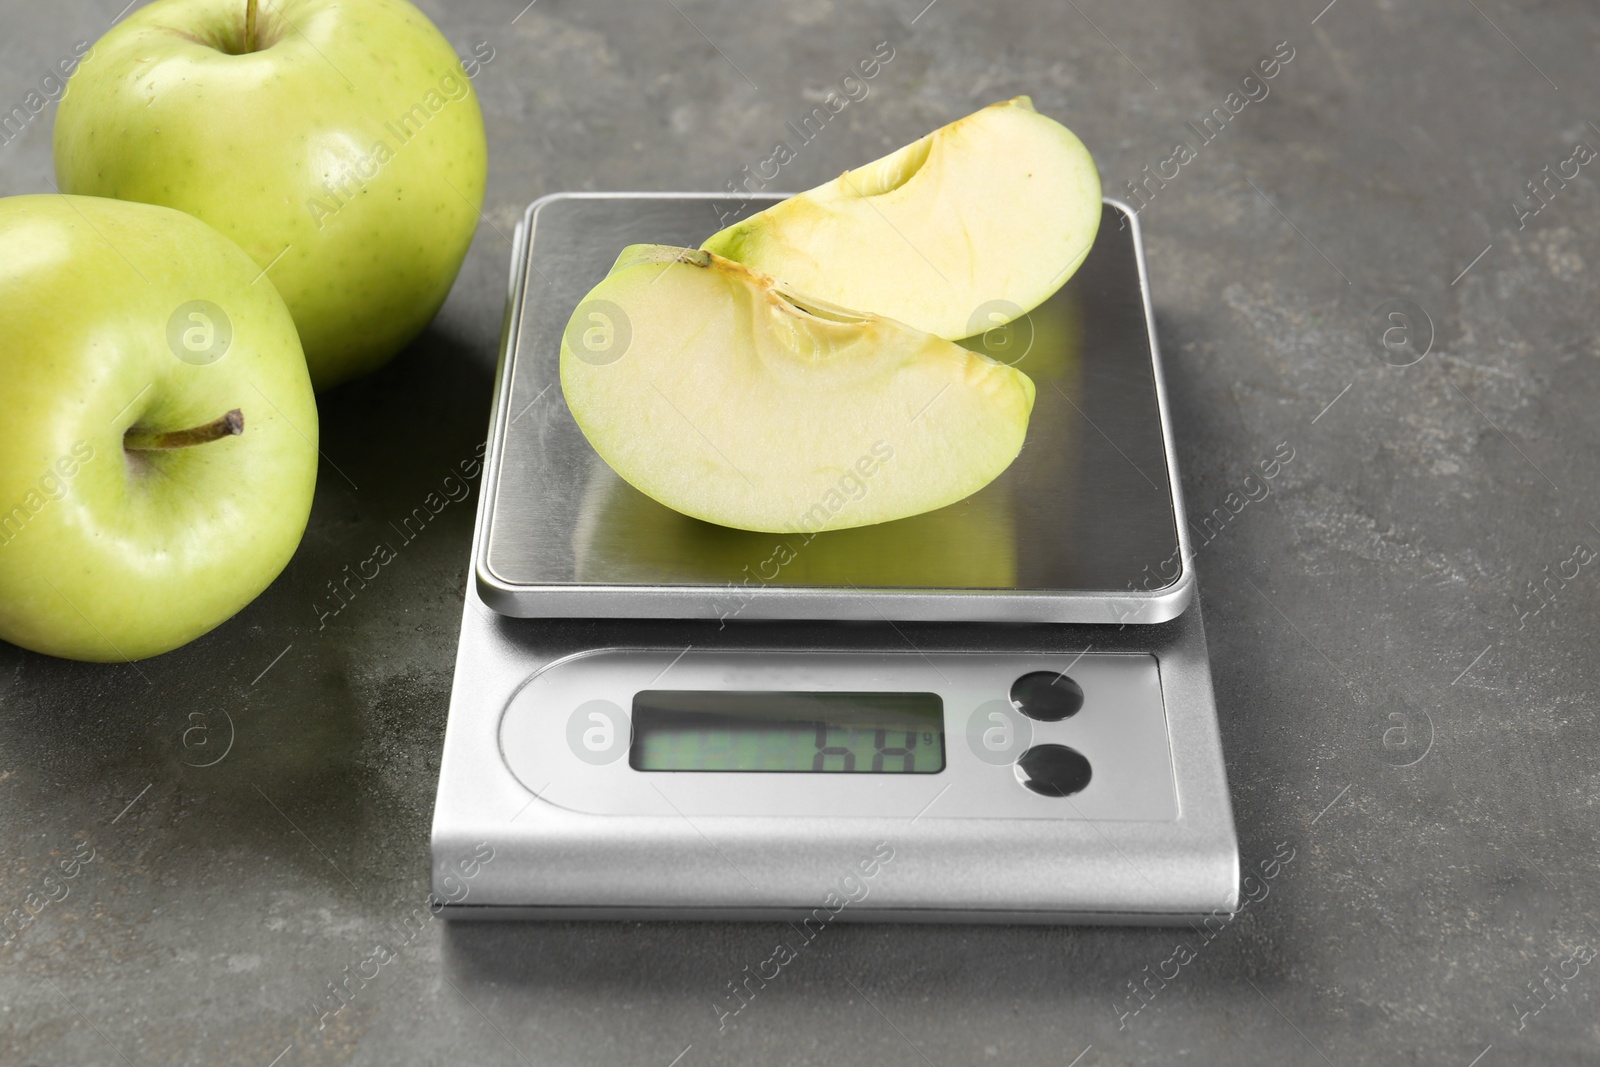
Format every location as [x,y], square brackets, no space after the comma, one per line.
[1000,711]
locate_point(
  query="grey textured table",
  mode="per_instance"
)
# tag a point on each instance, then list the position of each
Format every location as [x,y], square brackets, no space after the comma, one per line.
[1396,713]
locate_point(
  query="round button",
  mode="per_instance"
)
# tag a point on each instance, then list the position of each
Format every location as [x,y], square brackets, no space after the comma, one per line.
[1048,696]
[1053,770]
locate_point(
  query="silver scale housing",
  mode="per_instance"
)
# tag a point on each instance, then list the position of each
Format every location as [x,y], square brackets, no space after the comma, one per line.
[552,620]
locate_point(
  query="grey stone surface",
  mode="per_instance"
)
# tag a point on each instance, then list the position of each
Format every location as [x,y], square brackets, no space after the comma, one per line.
[1427,751]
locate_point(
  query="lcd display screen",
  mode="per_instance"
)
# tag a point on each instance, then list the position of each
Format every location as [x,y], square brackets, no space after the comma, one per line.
[778,732]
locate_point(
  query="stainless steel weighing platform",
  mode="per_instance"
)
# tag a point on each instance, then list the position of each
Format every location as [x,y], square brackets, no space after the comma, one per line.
[1001,711]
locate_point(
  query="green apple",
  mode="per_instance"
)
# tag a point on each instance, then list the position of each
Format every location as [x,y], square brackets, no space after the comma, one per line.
[158,432]
[969,227]
[721,393]
[339,142]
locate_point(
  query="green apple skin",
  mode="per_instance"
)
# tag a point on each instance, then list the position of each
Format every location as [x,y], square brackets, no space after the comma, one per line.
[108,555]
[347,154]
[965,229]
[721,393]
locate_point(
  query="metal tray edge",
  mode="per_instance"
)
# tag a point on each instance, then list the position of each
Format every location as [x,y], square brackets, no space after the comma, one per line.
[1135,607]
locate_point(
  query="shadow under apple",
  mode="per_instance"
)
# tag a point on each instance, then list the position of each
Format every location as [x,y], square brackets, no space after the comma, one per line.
[331,719]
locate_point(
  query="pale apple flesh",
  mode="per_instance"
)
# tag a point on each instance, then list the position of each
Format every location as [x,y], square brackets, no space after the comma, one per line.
[340,144]
[144,498]
[737,401]
[969,227]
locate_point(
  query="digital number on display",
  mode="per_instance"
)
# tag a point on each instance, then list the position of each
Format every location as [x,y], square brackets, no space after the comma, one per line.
[780,732]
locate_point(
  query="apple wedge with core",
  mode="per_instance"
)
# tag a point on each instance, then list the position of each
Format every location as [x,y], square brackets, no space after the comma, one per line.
[158,432]
[964,230]
[727,396]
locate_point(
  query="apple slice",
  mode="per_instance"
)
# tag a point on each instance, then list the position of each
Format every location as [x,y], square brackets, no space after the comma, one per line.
[725,395]
[966,229]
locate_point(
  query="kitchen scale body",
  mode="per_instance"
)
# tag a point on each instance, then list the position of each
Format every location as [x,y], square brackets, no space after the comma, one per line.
[1001,711]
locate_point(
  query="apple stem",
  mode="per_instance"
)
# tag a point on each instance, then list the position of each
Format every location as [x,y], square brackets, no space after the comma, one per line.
[229,425]
[250,26]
